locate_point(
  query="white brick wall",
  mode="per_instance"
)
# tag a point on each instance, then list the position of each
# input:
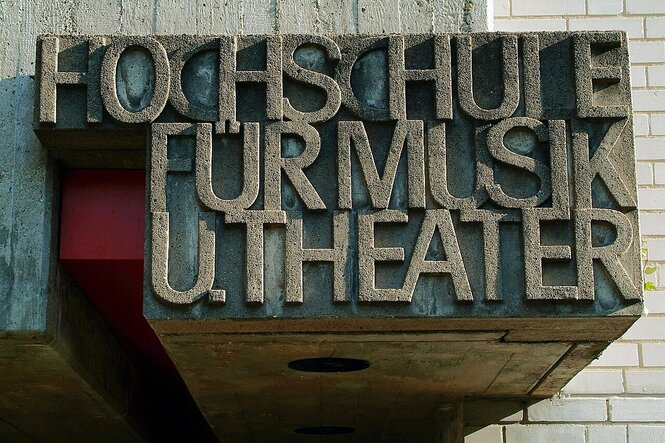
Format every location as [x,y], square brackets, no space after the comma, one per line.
[618,355]
[620,397]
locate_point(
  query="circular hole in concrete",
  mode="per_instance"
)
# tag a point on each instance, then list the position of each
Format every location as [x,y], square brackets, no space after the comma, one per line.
[329,364]
[324,430]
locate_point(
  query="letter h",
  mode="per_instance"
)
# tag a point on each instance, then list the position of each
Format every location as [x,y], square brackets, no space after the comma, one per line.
[50,78]
[440,74]
[229,76]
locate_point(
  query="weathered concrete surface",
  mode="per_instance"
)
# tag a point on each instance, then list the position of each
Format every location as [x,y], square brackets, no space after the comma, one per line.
[596,329]
[434,183]
[388,183]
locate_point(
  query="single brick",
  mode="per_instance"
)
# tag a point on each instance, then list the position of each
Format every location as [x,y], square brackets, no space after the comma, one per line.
[501,8]
[488,434]
[656,75]
[656,246]
[653,279]
[609,7]
[618,355]
[659,173]
[648,100]
[645,382]
[646,328]
[653,354]
[644,173]
[535,25]
[641,124]
[646,434]
[646,52]
[654,301]
[650,148]
[513,418]
[544,433]
[660,273]
[568,409]
[645,6]
[548,7]
[657,123]
[652,199]
[638,76]
[606,434]
[652,223]
[639,409]
[595,382]
[655,27]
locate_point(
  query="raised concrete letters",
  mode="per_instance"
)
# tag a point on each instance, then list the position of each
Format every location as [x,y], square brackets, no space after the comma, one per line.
[421,175]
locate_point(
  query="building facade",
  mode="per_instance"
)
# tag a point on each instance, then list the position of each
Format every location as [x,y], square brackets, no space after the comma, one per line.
[619,397]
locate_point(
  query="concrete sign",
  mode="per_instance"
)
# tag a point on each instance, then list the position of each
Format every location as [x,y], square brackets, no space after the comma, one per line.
[455,213]
[423,175]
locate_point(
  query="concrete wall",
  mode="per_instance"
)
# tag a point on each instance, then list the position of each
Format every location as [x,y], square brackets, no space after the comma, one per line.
[26,179]
[621,396]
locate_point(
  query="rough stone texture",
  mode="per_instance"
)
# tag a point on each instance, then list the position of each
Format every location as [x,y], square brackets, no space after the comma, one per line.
[518,173]
[359,106]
